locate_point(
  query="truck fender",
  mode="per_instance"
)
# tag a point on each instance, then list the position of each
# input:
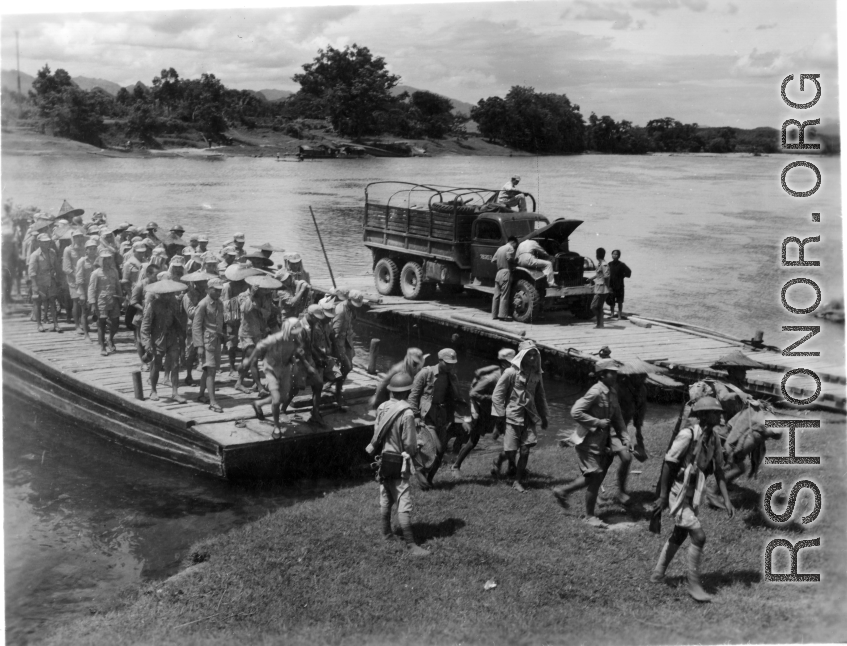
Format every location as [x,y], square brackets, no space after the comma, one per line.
[527,274]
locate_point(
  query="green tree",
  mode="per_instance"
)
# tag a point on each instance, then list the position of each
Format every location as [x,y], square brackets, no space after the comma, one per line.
[434,112]
[166,88]
[75,115]
[352,85]
[47,89]
[605,135]
[143,122]
[492,118]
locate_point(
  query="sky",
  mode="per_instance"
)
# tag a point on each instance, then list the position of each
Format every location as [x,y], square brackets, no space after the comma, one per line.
[713,62]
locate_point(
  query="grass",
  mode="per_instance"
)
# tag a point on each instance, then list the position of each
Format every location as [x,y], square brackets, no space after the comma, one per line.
[318,572]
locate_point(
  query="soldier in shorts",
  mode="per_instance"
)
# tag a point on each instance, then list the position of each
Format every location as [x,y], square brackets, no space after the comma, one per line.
[598,414]
[105,293]
[342,327]
[312,367]
[208,332]
[693,455]
[196,292]
[162,333]
[255,305]
[518,404]
[70,257]
[280,352]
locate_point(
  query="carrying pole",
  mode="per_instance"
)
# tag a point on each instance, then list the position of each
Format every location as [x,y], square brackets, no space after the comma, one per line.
[331,277]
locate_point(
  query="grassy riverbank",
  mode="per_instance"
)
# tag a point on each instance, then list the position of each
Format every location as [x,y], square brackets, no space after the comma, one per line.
[259,142]
[318,573]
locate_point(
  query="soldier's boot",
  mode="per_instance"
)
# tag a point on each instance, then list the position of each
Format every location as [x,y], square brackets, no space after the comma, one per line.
[669,550]
[695,555]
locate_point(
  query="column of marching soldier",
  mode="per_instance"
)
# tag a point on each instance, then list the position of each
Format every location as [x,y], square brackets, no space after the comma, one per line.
[187,304]
[719,429]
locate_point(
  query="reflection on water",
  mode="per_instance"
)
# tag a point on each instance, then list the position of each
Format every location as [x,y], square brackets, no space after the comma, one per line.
[701,235]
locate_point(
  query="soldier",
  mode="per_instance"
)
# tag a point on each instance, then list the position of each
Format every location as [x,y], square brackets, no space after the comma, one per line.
[396,441]
[597,413]
[411,365]
[104,291]
[294,295]
[255,306]
[203,243]
[518,404]
[601,286]
[342,328]
[280,352]
[208,332]
[137,302]
[504,258]
[482,388]
[70,259]
[294,264]
[694,453]
[84,268]
[43,269]
[235,274]
[162,334]
[190,300]
[434,396]
[312,366]
[130,274]
[152,231]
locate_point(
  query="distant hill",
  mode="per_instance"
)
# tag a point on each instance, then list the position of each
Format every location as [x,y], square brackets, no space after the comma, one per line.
[86,83]
[459,107]
[275,95]
[10,81]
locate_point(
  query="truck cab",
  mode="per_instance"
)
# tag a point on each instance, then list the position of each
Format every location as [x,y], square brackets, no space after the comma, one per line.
[426,236]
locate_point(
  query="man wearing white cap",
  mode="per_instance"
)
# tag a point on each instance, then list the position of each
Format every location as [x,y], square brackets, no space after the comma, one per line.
[435,394]
[519,405]
[601,431]
[482,387]
[104,291]
[511,196]
[108,242]
[84,268]
[70,258]
[342,328]
[202,243]
[44,270]
[238,243]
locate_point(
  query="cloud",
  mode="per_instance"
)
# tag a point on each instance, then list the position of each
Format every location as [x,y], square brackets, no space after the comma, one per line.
[731,9]
[657,6]
[605,13]
[768,26]
[758,63]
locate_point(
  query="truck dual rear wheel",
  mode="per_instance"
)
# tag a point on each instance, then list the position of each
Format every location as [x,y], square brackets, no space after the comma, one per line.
[412,281]
[526,302]
[387,277]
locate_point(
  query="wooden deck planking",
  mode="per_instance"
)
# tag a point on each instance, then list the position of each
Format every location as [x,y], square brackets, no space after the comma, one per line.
[72,354]
[691,351]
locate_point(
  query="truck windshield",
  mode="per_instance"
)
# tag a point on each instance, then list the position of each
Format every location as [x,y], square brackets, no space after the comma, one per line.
[521,228]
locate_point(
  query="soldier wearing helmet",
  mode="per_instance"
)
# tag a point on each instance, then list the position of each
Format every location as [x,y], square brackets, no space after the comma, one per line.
[395,440]
[601,433]
[694,454]
[482,387]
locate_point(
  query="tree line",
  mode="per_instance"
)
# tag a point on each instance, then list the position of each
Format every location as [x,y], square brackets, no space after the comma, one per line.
[351,89]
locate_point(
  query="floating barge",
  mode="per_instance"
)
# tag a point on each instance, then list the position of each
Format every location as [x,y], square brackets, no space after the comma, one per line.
[66,374]
[566,343]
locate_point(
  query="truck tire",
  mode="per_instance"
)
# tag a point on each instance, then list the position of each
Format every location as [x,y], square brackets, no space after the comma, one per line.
[387,277]
[526,301]
[582,310]
[412,281]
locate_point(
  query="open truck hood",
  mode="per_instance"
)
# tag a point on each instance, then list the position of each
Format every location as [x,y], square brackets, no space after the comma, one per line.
[557,230]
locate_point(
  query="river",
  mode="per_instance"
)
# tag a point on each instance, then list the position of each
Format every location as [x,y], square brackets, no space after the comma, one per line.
[701,233]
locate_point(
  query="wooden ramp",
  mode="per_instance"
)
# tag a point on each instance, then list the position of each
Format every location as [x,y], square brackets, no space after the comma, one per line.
[67,374]
[687,352]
